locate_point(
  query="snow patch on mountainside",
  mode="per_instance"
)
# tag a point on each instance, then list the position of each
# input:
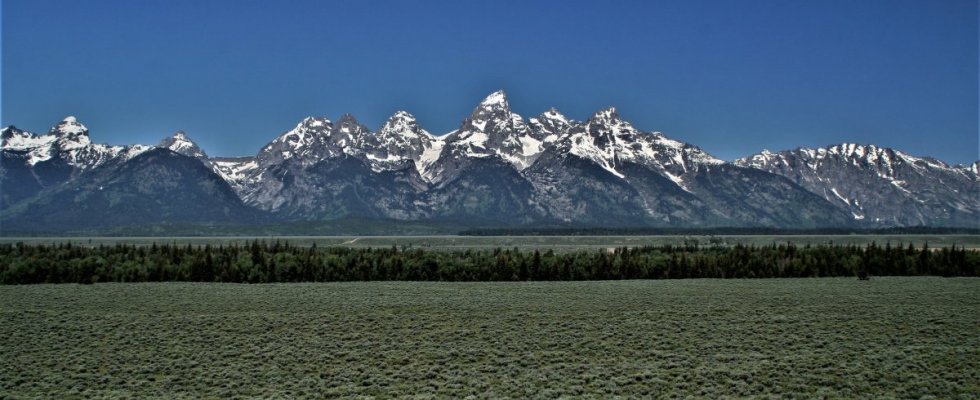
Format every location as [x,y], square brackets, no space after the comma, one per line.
[238,172]
[429,156]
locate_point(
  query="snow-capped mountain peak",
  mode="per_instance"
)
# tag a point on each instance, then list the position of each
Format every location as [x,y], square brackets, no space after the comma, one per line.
[974,168]
[609,141]
[496,99]
[350,136]
[71,134]
[608,113]
[314,122]
[36,148]
[12,138]
[607,123]
[883,160]
[300,142]
[550,125]
[492,129]
[494,108]
[554,115]
[69,126]
[349,124]
[182,144]
[401,123]
[610,116]
[400,140]
[67,141]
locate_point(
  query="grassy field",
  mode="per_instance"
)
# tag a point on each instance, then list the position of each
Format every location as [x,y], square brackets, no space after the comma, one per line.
[557,243]
[888,337]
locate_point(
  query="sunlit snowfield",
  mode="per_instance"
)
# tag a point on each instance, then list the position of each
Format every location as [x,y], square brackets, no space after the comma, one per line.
[834,337]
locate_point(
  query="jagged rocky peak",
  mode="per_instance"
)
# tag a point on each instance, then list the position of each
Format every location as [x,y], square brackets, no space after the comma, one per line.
[349,125]
[493,129]
[12,138]
[854,151]
[399,141]
[606,124]
[493,114]
[494,118]
[401,123]
[297,142]
[495,101]
[70,133]
[974,168]
[880,158]
[764,157]
[607,116]
[554,115]
[401,129]
[401,138]
[550,125]
[490,131]
[608,140]
[180,143]
[305,130]
[314,122]
[67,141]
[350,136]
[10,133]
[69,126]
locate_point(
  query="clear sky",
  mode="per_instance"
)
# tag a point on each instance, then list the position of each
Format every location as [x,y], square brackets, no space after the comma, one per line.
[733,77]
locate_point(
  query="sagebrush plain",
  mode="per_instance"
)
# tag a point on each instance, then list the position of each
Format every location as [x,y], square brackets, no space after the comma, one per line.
[815,337]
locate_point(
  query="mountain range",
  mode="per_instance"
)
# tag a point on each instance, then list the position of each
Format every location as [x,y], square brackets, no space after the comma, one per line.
[497,169]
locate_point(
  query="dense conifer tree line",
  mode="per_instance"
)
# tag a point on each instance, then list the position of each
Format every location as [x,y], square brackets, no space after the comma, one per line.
[262,262]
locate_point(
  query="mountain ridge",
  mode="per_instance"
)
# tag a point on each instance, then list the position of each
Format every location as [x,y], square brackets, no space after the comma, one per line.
[500,168]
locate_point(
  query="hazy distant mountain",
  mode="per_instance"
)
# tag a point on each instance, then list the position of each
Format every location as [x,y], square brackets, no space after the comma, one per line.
[496,169]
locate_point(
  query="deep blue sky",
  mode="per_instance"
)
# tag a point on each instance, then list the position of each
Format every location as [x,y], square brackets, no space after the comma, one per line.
[733,77]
